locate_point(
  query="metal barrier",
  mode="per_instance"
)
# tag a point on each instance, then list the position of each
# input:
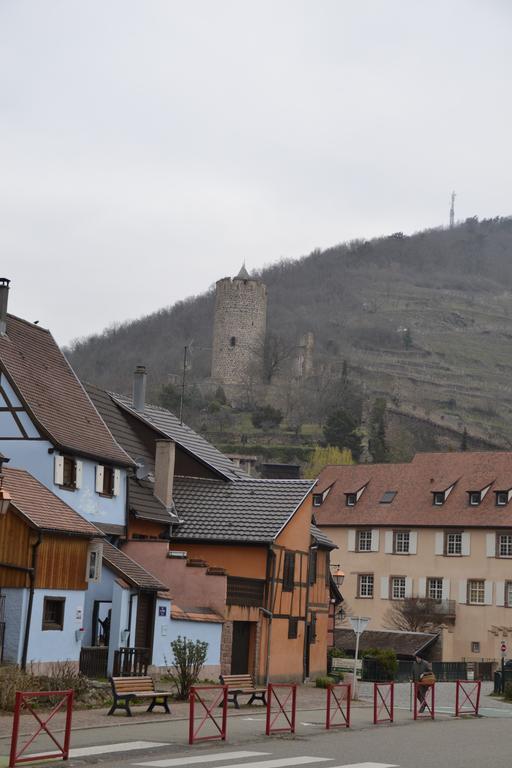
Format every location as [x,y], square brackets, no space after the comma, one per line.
[281,693]
[219,699]
[424,699]
[338,703]
[468,692]
[23,703]
[383,703]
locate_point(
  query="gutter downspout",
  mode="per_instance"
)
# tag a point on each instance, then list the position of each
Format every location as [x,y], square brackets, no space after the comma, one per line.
[32,577]
[306,616]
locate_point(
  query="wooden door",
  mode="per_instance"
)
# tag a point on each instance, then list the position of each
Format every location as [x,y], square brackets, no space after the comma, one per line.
[145,621]
[240,647]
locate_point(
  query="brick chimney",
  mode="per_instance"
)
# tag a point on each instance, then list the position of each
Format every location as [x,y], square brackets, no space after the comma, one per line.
[164,470]
[4,296]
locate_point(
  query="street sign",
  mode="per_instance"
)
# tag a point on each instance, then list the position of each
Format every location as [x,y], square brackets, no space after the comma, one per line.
[358,623]
[503,648]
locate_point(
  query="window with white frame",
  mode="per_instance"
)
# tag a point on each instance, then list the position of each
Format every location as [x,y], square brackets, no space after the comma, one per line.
[401,542]
[365,583]
[364,541]
[505,545]
[438,498]
[453,544]
[476,592]
[508,594]
[501,498]
[397,587]
[351,499]
[475,497]
[435,588]
[94,558]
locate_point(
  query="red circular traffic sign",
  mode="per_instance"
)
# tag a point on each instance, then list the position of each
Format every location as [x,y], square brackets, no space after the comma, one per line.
[503,647]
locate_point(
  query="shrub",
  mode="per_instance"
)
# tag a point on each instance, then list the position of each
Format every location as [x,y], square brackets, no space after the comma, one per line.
[189,657]
[266,417]
[386,658]
[324,682]
[61,677]
[336,653]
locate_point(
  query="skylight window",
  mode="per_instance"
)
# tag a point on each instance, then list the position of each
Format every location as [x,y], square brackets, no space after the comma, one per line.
[388,497]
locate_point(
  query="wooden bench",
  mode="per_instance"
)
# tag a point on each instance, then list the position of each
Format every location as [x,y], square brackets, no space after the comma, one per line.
[243,684]
[128,689]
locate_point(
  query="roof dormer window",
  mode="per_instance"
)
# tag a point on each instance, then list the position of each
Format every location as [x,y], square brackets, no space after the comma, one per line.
[501,498]
[317,499]
[438,498]
[351,499]
[475,497]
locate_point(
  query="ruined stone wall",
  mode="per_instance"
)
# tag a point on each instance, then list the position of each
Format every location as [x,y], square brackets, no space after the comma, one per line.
[239,330]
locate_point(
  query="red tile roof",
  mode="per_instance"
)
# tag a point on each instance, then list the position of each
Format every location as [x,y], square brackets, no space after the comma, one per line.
[414,484]
[41,508]
[130,571]
[53,394]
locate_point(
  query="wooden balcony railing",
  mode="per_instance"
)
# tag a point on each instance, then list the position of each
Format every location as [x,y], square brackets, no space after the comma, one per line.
[247,592]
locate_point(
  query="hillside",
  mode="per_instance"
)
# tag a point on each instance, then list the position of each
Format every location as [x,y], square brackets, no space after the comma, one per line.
[452,290]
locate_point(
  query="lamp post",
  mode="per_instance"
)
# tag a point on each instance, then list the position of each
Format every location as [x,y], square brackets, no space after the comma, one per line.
[358,624]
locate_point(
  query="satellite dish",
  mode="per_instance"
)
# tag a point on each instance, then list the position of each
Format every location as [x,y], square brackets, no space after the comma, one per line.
[141,472]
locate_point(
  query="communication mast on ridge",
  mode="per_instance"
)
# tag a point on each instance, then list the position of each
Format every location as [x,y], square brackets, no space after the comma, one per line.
[452,212]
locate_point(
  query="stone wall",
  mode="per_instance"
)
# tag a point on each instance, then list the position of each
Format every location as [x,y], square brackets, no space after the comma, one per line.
[226,645]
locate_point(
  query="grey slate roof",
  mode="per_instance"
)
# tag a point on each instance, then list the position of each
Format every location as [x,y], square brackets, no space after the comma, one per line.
[133,573]
[249,510]
[403,643]
[320,538]
[144,505]
[170,426]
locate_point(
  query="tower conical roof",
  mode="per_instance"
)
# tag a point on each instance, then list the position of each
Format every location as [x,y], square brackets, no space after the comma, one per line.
[243,274]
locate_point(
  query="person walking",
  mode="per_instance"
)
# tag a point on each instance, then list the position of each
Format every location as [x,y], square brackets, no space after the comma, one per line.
[420,668]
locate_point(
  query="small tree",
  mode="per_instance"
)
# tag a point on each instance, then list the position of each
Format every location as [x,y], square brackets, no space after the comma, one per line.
[386,659]
[414,614]
[266,417]
[322,457]
[189,657]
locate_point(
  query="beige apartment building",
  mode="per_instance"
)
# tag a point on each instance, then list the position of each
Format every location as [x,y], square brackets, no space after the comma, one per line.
[439,527]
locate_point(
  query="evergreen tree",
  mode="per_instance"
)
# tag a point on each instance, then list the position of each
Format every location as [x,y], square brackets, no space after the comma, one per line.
[377,444]
[464,440]
[341,430]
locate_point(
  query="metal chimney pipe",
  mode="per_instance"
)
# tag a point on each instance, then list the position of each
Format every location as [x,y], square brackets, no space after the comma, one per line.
[4,297]
[139,388]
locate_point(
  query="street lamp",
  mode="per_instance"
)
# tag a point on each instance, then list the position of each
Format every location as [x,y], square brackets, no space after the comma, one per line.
[358,624]
[338,576]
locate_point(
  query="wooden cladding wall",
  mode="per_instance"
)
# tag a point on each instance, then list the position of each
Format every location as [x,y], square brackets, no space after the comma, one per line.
[62,562]
[15,537]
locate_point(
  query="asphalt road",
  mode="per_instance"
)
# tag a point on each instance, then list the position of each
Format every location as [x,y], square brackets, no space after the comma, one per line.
[458,743]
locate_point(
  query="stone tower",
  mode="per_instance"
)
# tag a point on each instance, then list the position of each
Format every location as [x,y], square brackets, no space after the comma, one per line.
[239,329]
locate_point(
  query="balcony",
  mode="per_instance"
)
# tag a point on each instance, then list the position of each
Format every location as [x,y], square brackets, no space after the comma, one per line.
[245,592]
[444,609]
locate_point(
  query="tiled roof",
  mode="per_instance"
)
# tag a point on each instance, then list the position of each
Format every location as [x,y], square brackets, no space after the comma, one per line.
[121,427]
[42,509]
[133,573]
[143,503]
[403,643]
[195,614]
[320,538]
[414,484]
[251,510]
[53,395]
[168,425]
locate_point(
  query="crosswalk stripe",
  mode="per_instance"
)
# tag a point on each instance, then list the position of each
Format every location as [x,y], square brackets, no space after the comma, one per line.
[218,757]
[281,762]
[103,749]
[368,765]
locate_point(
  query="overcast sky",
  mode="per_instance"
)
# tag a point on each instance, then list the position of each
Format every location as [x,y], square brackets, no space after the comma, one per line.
[148,147]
